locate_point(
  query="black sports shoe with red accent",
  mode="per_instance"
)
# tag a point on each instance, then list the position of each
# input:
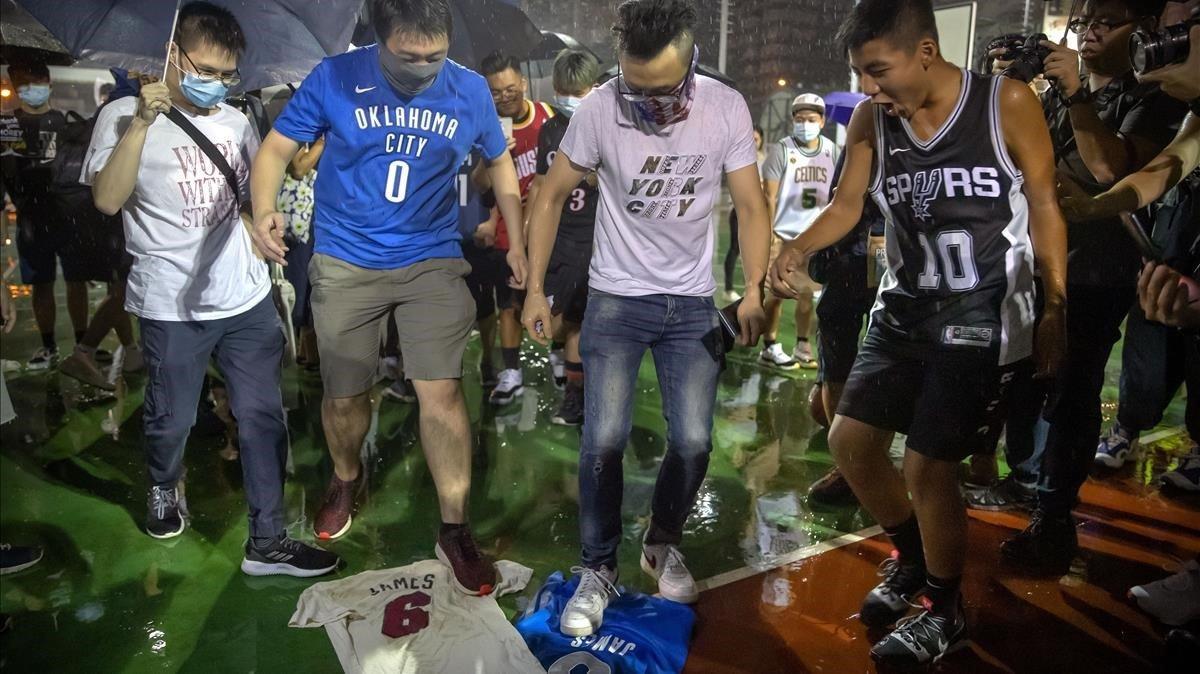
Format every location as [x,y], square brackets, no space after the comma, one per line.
[472,572]
[336,515]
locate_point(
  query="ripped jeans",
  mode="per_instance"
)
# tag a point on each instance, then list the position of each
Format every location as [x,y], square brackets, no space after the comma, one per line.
[684,336]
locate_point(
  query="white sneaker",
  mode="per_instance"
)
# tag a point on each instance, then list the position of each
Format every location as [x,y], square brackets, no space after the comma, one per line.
[664,563]
[804,356]
[511,385]
[558,366]
[1174,600]
[775,356]
[584,613]
[42,359]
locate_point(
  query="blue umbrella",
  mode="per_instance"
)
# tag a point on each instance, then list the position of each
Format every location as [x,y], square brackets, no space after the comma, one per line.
[839,105]
[285,38]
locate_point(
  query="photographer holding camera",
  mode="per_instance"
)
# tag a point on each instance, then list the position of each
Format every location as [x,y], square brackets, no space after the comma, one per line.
[1104,125]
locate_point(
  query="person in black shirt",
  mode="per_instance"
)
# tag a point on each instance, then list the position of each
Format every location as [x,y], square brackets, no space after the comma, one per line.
[1104,125]
[575,74]
[45,236]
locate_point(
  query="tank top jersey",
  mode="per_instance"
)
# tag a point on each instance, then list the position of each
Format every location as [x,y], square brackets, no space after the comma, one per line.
[524,156]
[805,186]
[960,273]
[577,228]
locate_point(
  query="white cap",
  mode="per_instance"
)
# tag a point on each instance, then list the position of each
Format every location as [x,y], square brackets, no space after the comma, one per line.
[809,102]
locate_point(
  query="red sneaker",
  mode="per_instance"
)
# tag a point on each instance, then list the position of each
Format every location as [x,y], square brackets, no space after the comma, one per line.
[337,509]
[472,571]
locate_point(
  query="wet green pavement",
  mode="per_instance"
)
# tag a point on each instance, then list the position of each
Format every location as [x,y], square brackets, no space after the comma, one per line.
[107,598]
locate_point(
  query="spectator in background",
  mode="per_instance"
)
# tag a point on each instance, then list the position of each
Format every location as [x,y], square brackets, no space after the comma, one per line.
[1104,125]
[735,250]
[46,237]
[508,87]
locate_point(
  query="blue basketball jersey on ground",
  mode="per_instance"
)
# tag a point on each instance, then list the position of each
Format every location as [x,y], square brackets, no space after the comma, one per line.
[387,191]
[640,635]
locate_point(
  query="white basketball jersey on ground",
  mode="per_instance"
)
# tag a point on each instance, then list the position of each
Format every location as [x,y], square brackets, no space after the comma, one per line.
[411,620]
[804,187]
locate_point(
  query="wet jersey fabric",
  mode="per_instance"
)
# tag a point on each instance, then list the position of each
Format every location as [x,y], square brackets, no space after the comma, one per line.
[640,635]
[960,260]
[577,227]
[524,154]
[387,192]
[412,620]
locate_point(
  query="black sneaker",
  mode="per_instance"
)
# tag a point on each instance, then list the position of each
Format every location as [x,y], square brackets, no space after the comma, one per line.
[1048,545]
[287,557]
[570,413]
[165,518]
[892,599]
[17,558]
[103,356]
[923,639]
[1007,494]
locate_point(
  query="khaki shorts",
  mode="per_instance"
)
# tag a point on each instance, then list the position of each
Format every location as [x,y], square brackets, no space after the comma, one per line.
[434,313]
[801,274]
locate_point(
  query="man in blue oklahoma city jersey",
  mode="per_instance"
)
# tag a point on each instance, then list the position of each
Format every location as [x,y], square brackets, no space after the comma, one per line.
[398,118]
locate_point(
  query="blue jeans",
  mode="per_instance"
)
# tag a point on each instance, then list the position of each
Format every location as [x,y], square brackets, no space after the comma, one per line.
[684,336]
[248,349]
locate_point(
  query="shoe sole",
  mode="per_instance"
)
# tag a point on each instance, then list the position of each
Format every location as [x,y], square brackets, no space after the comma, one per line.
[407,400]
[441,557]
[911,666]
[253,568]
[680,599]
[1105,461]
[172,534]
[776,366]
[579,631]
[340,532]
[559,421]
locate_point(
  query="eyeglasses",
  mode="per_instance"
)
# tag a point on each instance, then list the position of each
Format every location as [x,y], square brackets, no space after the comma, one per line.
[1081,26]
[204,75]
[506,93]
[663,98]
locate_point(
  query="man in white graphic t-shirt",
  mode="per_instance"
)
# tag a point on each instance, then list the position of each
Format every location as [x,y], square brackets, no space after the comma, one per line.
[660,138]
[196,285]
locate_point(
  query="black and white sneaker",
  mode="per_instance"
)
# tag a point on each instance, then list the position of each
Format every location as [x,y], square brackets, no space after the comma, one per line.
[287,557]
[17,558]
[164,518]
[923,639]
[558,369]
[401,390]
[511,386]
[43,359]
[892,599]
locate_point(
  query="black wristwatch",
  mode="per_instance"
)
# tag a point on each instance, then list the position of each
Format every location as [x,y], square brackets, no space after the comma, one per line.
[1083,95]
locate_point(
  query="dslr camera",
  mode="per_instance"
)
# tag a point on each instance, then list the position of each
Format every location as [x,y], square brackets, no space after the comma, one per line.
[1027,54]
[1151,51]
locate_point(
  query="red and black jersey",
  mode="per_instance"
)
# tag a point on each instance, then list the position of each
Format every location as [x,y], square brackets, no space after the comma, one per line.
[524,156]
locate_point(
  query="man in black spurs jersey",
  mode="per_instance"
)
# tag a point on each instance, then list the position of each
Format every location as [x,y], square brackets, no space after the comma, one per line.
[962,168]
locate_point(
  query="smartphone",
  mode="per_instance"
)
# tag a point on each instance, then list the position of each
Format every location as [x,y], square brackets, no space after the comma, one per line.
[506,124]
[731,329]
[1145,244]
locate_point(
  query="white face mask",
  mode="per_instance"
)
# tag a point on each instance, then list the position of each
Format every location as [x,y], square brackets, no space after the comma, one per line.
[807,131]
[568,103]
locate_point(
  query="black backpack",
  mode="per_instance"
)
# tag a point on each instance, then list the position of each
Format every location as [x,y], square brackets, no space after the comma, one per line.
[71,198]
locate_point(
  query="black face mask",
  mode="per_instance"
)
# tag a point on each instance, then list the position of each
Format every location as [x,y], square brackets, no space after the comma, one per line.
[409,79]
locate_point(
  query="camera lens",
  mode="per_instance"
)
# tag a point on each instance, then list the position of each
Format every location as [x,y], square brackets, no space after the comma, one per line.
[1137,51]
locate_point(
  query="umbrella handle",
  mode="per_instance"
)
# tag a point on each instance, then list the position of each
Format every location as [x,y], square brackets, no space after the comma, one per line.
[170,39]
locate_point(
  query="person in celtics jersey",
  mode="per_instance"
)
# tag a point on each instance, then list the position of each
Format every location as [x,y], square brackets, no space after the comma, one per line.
[797,179]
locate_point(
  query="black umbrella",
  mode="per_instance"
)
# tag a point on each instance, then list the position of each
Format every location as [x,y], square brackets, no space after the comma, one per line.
[480,28]
[285,38]
[707,71]
[23,38]
[552,43]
